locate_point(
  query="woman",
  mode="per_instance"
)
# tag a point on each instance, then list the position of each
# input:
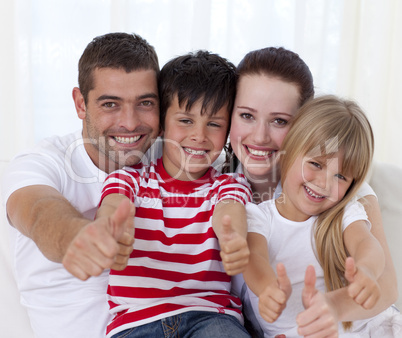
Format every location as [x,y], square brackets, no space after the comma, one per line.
[273,83]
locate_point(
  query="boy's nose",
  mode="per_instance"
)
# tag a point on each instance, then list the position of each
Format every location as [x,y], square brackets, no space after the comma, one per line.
[199,134]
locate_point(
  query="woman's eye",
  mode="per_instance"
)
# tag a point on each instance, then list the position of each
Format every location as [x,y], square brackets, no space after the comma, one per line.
[246,116]
[281,122]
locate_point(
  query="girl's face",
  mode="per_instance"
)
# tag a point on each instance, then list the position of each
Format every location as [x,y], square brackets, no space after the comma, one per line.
[312,186]
[262,114]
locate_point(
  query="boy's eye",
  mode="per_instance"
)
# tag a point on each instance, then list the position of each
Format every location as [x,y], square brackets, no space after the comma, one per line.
[185,121]
[213,124]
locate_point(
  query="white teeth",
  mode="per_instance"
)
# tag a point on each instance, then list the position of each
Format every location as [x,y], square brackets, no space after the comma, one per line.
[195,152]
[312,194]
[259,152]
[127,140]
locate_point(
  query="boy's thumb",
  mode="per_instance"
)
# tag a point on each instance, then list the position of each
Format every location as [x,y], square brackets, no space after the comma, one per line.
[226,225]
[119,217]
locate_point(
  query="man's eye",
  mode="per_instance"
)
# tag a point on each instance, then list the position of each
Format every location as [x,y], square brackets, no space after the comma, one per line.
[109,104]
[146,103]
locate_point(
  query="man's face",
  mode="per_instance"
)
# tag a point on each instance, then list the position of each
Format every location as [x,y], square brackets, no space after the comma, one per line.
[121,117]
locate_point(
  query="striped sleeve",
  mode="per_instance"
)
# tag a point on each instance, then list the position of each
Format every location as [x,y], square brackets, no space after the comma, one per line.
[235,187]
[121,182]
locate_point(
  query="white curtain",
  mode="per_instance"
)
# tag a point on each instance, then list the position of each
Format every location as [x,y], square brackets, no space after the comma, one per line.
[353,48]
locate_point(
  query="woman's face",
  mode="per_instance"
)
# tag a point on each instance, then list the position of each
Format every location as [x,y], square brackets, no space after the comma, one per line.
[263,111]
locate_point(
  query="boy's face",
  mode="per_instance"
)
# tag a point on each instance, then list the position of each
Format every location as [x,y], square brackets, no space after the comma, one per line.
[192,142]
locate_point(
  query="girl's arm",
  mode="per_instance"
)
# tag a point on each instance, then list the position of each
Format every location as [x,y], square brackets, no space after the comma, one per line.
[339,301]
[365,265]
[272,291]
[231,232]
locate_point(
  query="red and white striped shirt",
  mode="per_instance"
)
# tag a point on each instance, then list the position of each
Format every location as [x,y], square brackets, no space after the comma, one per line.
[175,266]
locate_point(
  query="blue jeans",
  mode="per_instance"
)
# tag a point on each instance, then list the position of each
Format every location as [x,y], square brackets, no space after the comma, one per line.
[194,324]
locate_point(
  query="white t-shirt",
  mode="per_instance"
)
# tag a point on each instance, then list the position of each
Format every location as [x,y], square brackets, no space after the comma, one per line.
[58,304]
[289,242]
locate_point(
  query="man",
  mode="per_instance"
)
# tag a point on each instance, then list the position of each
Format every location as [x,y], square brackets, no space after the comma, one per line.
[51,192]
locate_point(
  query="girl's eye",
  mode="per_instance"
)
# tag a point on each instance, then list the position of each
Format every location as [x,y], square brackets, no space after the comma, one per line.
[281,122]
[341,177]
[246,116]
[315,164]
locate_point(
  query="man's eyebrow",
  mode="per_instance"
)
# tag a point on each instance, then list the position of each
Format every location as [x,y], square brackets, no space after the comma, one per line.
[108,97]
[117,98]
[148,96]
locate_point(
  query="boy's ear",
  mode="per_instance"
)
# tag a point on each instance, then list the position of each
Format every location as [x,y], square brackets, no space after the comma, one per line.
[79,103]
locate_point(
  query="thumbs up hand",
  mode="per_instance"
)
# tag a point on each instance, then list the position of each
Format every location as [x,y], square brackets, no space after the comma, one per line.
[122,222]
[272,300]
[319,317]
[363,287]
[234,249]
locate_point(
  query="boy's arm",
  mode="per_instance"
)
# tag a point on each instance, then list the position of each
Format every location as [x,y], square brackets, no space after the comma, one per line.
[61,233]
[365,265]
[231,232]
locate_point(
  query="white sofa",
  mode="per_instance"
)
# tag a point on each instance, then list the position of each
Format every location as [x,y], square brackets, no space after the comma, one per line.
[385,179]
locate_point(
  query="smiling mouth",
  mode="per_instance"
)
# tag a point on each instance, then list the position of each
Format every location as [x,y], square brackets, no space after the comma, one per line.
[261,153]
[312,194]
[194,152]
[126,140]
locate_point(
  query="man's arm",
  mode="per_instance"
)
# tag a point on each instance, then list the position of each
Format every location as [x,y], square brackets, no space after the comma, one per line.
[63,235]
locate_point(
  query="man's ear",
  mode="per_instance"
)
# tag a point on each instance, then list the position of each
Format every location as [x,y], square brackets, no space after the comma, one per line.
[79,103]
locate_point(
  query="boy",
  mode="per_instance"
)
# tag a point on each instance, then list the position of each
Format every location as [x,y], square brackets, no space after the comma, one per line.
[175,283]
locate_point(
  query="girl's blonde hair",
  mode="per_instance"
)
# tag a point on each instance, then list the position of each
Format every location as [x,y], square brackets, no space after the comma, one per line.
[323,126]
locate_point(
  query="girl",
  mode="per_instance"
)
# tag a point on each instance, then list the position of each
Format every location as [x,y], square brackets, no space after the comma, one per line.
[317,221]
[272,85]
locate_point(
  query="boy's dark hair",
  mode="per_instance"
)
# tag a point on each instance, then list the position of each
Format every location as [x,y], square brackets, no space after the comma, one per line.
[194,76]
[115,50]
